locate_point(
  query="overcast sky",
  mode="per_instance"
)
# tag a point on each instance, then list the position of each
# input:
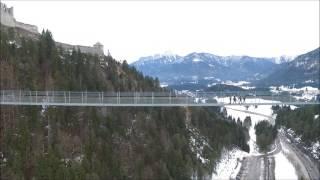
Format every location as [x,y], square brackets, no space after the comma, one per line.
[131,29]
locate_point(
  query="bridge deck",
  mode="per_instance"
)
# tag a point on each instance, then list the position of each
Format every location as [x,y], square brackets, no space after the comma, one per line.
[66,98]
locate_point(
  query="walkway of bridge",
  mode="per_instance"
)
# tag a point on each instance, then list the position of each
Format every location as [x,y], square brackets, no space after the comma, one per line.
[153,99]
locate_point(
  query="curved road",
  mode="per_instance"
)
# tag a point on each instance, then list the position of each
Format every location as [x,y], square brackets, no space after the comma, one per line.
[262,166]
[305,166]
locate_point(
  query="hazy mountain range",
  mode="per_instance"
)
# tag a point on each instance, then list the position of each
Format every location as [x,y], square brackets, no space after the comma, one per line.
[206,68]
[303,70]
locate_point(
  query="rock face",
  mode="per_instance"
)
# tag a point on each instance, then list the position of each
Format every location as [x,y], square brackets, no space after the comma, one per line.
[7,19]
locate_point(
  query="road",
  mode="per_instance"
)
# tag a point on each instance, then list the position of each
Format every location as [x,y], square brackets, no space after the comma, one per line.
[260,166]
[263,166]
[250,112]
[305,166]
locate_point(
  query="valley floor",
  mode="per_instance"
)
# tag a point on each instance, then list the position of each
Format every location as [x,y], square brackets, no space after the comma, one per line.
[285,161]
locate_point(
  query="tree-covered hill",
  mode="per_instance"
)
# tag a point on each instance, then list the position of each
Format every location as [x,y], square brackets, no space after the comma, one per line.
[99,143]
[266,134]
[224,87]
[305,121]
[302,127]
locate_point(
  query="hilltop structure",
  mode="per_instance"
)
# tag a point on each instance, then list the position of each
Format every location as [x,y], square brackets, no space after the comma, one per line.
[97,48]
[7,19]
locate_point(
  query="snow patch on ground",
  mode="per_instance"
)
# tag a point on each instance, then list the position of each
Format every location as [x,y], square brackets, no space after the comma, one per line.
[306,93]
[315,150]
[247,87]
[306,97]
[309,81]
[208,78]
[284,148]
[79,158]
[293,90]
[163,85]
[239,83]
[43,110]
[229,165]
[283,168]
[235,112]
[196,60]
[197,142]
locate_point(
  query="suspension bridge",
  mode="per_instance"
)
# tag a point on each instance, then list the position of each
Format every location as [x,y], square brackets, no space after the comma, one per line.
[153,99]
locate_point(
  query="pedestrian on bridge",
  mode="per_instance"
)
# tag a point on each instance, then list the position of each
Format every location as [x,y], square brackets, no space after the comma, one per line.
[234,99]
[240,99]
[244,99]
[230,98]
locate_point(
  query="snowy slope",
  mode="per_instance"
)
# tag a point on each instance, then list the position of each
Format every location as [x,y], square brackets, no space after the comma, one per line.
[229,164]
[283,168]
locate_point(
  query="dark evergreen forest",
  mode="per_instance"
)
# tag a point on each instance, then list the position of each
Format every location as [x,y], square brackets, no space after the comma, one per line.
[302,121]
[98,143]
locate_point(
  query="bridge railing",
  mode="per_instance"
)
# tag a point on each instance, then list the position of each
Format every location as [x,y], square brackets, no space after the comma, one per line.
[73,97]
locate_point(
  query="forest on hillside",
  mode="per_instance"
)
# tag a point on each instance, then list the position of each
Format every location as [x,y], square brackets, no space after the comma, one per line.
[304,121]
[266,134]
[99,143]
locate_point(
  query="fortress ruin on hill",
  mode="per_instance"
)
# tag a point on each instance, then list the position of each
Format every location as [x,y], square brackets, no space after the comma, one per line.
[7,19]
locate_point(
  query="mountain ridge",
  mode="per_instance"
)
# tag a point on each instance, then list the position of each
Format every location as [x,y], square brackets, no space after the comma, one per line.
[276,59]
[206,68]
[303,70]
[201,66]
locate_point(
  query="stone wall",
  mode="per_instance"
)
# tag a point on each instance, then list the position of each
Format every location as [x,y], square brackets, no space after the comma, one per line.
[7,19]
[27,30]
[27,27]
[6,16]
[83,49]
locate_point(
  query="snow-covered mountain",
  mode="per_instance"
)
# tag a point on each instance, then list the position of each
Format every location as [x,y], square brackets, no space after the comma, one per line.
[198,67]
[302,70]
[283,59]
[158,58]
